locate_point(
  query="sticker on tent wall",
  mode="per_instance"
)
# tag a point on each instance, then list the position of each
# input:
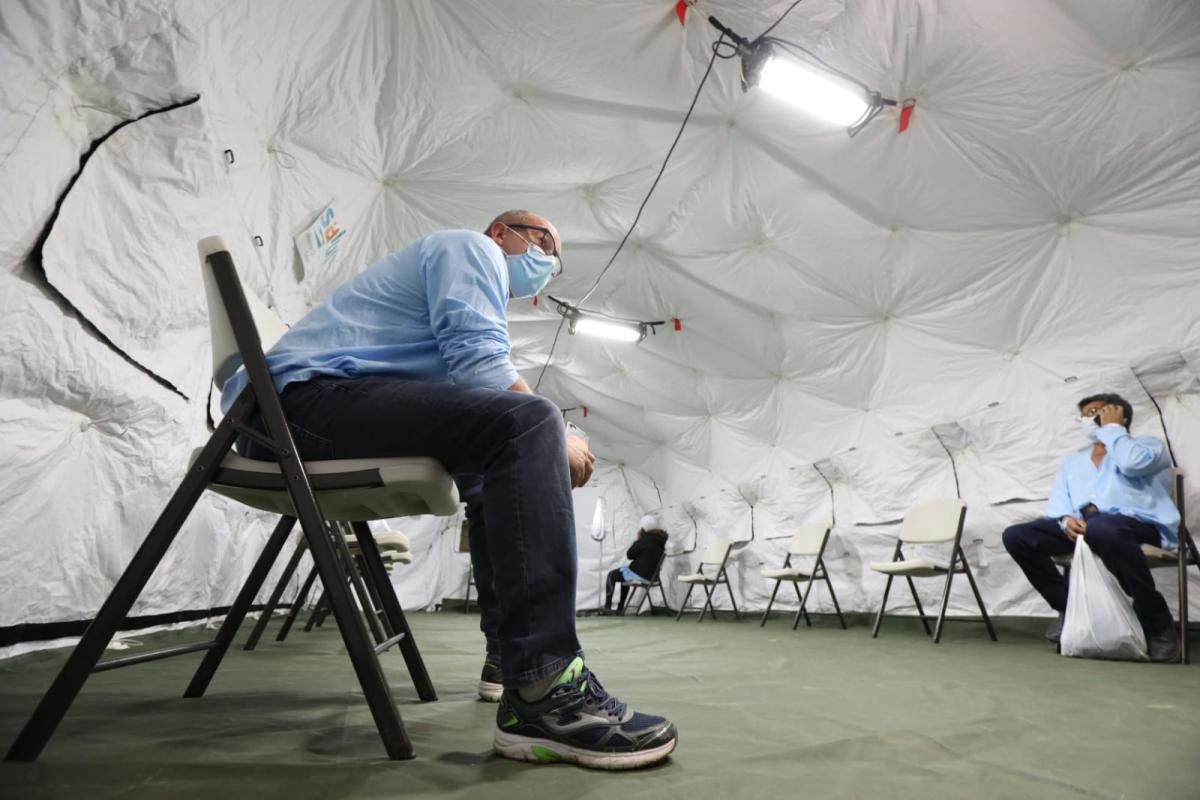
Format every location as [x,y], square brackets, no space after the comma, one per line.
[318,244]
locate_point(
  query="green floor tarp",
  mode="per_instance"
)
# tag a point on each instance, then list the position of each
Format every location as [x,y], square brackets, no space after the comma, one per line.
[762,713]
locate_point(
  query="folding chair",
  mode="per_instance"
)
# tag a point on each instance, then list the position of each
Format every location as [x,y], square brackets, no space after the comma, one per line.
[393,548]
[939,521]
[715,556]
[313,492]
[1185,553]
[645,586]
[807,541]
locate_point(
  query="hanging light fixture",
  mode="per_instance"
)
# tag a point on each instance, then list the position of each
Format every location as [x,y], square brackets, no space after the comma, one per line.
[603,326]
[801,78]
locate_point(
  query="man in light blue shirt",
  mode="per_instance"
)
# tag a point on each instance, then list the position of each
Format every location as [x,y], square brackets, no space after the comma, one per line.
[411,357]
[1116,493]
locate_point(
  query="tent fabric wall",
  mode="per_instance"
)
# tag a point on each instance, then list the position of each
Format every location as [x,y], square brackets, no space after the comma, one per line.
[1029,239]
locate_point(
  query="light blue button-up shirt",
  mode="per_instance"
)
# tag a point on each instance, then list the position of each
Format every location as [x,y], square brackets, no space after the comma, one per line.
[433,311]
[1134,479]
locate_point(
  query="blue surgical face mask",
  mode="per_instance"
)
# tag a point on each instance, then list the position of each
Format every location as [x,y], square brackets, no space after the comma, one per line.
[1089,428]
[529,272]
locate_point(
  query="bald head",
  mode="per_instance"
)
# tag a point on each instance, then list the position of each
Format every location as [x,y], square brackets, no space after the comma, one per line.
[514,231]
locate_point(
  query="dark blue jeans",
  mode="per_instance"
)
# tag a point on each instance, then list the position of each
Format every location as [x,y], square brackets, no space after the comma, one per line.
[1115,538]
[507,453]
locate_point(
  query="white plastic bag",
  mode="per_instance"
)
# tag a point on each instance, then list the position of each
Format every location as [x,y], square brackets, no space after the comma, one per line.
[1100,622]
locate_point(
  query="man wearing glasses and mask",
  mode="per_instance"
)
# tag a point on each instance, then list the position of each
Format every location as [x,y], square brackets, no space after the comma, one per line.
[1115,493]
[411,357]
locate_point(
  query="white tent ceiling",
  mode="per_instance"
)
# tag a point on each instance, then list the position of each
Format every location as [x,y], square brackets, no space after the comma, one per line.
[1031,237]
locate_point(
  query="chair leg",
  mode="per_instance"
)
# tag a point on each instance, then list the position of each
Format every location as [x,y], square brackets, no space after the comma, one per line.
[941,618]
[237,612]
[376,598]
[394,613]
[887,587]
[803,598]
[74,673]
[297,604]
[362,654]
[708,606]
[770,603]
[732,600]
[978,597]
[833,597]
[1187,550]
[663,594]
[319,610]
[912,587]
[356,583]
[264,619]
[683,605]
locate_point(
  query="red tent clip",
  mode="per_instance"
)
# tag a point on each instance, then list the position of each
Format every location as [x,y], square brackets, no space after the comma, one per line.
[681,9]
[906,109]
[585,411]
[535,299]
[678,324]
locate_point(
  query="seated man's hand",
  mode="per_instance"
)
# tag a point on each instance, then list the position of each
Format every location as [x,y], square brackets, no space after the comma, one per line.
[1112,414]
[1075,527]
[581,461]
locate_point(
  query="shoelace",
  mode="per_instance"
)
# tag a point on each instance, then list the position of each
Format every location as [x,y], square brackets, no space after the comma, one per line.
[595,692]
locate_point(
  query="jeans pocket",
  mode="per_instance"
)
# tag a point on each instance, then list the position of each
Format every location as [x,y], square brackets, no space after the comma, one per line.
[311,446]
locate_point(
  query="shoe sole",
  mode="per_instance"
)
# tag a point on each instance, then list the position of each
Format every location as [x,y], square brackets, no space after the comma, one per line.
[490,691]
[545,751]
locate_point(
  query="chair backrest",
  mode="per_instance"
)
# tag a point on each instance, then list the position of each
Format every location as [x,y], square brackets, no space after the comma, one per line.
[225,356]
[1177,486]
[808,539]
[715,551]
[939,521]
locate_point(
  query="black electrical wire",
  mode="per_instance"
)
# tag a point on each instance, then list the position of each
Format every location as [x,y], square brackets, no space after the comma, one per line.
[686,118]
[1162,422]
[775,24]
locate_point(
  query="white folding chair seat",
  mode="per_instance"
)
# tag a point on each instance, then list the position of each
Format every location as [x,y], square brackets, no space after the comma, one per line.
[913,567]
[786,574]
[346,489]
[930,523]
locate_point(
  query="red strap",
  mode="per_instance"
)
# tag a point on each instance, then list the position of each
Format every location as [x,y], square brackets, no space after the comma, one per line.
[906,110]
[681,8]
[678,324]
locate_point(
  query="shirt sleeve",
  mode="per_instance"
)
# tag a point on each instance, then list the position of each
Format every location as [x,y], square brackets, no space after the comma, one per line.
[1134,456]
[1060,504]
[466,287]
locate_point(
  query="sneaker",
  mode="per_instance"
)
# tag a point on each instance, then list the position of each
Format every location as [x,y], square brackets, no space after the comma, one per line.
[491,680]
[1054,632]
[580,723]
[1164,647]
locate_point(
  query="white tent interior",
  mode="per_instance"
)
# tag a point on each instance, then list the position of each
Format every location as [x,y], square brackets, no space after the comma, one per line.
[864,323]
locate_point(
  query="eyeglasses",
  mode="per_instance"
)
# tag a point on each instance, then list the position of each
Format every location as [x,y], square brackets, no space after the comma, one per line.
[544,239]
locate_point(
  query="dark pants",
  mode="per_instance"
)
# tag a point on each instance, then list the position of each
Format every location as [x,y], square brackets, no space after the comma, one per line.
[507,453]
[614,577]
[1115,538]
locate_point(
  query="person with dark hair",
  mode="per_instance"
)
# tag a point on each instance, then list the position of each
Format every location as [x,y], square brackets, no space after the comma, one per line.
[1115,493]
[645,556]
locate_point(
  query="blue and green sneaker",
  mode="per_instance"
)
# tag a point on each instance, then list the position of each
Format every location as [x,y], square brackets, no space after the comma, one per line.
[580,723]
